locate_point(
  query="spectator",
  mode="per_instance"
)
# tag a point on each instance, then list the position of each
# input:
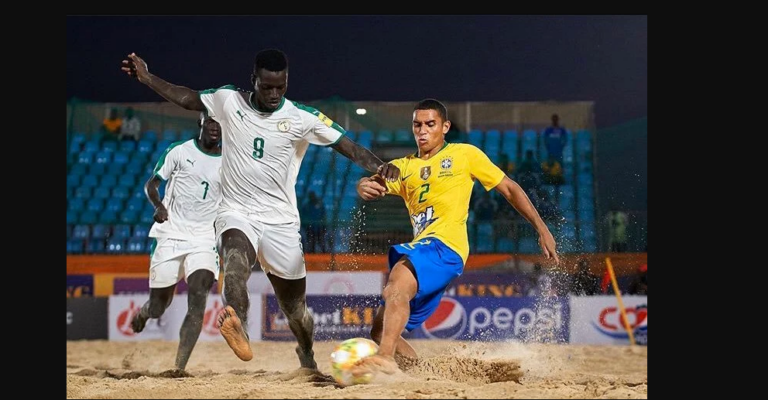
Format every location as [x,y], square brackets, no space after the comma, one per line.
[112,125]
[555,139]
[131,126]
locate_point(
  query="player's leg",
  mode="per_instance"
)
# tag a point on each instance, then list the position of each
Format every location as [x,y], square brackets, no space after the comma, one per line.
[283,261]
[291,296]
[199,282]
[159,300]
[164,273]
[237,255]
[402,348]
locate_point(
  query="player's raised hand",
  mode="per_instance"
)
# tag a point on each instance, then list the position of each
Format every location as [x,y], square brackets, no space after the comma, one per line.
[547,243]
[370,188]
[135,67]
[161,214]
[389,172]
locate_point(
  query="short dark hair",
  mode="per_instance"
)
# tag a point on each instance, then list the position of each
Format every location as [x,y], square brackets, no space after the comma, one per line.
[432,104]
[272,60]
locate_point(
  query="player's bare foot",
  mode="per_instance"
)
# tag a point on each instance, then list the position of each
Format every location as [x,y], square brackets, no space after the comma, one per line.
[138,322]
[232,330]
[307,359]
[373,364]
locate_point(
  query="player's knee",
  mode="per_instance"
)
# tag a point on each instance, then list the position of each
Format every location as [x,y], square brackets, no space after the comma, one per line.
[236,262]
[296,310]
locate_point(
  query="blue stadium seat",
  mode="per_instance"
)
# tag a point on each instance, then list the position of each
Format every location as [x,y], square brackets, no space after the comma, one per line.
[76,204]
[120,192]
[109,180]
[121,231]
[147,217]
[509,144]
[403,136]
[95,246]
[528,245]
[127,181]
[115,246]
[149,135]
[81,231]
[114,204]
[108,217]
[78,169]
[134,167]
[109,146]
[385,136]
[506,245]
[91,147]
[85,158]
[83,192]
[135,245]
[101,231]
[127,146]
[170,135]
[97,169]
[141,230]
[74,246]
[136,204]
[94,204]
[146,147]
[73,181]
[72,217]
[129,217]
[121,157]
[89,181]
[103,157]
[101,193]
[114,170]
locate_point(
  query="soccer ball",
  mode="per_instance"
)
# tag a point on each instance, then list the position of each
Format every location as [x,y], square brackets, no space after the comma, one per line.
[344,357]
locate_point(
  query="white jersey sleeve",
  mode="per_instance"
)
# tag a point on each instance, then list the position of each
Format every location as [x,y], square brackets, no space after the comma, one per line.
[214,99]
[318,128]
[168,162]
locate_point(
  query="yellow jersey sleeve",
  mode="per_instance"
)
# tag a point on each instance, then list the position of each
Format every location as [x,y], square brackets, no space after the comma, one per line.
[483,169]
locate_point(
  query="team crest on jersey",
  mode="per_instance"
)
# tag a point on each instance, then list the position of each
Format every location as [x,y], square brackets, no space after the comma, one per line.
[284,125]
[446,163]
[327,121]
[425,172]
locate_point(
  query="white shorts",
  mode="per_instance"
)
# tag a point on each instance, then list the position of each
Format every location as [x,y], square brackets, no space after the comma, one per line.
[174,259]
[278,247]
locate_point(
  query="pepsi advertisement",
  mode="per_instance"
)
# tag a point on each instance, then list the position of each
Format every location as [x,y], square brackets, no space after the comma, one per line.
[527,319]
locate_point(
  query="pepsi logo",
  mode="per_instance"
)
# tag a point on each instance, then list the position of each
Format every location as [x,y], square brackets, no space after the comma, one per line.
[125,317]
[447,322]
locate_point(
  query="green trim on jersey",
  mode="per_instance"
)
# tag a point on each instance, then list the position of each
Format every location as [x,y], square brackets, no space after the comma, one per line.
[161,160]
[317,113]
[210,91]
[201,150]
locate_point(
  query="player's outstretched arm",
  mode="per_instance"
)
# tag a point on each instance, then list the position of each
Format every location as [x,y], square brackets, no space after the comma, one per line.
[516,196]
[366,160]
[183,97]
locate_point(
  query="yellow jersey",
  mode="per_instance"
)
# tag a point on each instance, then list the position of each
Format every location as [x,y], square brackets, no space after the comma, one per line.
[437,191]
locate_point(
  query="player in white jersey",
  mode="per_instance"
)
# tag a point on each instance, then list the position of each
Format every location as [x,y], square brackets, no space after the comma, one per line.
[185,240]
[265,137]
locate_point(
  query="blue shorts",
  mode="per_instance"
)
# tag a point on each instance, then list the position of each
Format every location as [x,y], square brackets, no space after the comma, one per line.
[435,265]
